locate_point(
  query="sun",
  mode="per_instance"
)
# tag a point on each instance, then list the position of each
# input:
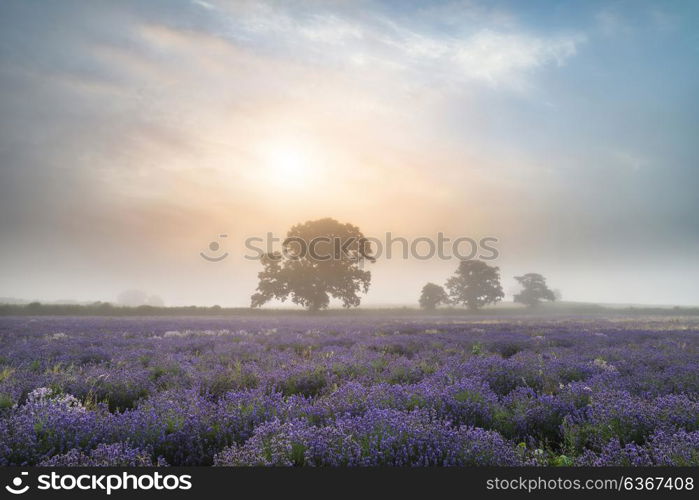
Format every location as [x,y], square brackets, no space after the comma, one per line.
[288,163]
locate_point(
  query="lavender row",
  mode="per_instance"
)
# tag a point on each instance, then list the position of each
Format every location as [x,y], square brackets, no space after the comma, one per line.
[348,391]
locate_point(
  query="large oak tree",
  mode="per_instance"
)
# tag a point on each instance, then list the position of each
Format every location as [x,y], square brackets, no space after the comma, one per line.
[475,284]
[320,259]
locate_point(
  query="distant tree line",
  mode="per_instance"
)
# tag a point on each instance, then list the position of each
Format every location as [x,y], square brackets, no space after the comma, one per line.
[476,284]
[310,281]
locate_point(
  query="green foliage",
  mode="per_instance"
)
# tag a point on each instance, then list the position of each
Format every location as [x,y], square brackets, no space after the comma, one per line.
[306,383]
[534,290]
[562,461]
[234,378]
[468,397]
[477,349]
[432,296]
[6,401]
[320,259]
[475,284]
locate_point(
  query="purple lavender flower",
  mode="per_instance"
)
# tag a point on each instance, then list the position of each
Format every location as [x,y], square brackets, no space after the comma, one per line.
[353,390]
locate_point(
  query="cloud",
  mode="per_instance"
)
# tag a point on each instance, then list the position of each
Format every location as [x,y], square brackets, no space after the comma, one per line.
[488,48]
[155,106]
[503,59]
[201,3]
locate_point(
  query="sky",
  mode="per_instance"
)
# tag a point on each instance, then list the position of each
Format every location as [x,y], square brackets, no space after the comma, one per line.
[133,134]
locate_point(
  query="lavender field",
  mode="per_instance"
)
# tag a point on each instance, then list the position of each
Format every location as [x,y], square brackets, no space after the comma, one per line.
[358,391]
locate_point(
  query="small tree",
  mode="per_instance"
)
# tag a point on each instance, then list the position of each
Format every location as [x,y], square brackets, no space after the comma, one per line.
[320,259]
[475,284]
[534,290]
[432,295]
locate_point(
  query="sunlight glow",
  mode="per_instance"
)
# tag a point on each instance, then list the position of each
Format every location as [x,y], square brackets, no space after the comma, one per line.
[288,163]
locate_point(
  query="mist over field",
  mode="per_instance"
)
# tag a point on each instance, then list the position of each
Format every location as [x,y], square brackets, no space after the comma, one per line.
[134,134]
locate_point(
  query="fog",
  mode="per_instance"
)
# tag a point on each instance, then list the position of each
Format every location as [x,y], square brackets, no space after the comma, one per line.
[132,136]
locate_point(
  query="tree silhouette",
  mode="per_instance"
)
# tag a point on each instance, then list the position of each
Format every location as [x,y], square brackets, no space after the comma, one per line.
[475,284]
[320,259]
[432,295]
[534,290]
